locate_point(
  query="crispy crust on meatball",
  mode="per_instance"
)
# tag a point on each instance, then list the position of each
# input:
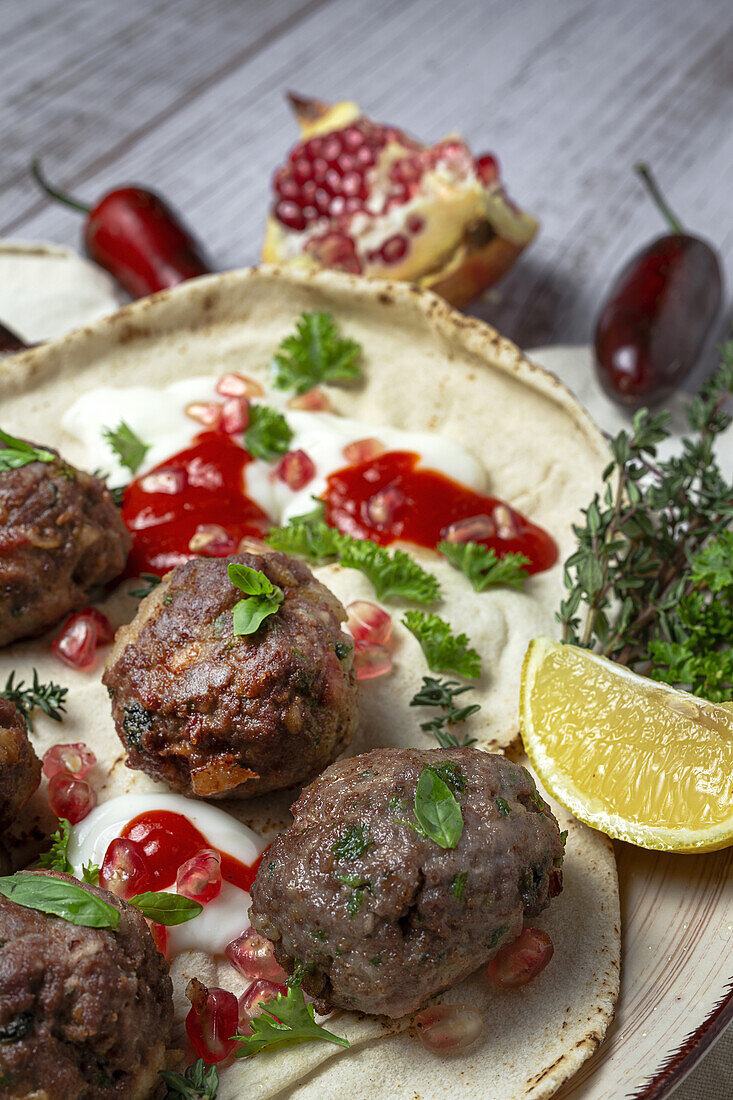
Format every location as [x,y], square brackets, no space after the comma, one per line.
[61,537]
[378,917]
[20,768]
[213,713]
[85,1013]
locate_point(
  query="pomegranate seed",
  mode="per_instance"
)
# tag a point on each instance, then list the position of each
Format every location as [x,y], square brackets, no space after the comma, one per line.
[199,878]
[352,137]
[204,475]
[338,206]
[521,961]
[254,957]
[251,1002]
[239,385]
[487,169]
[506,527]
[74,759]
[445,1028]
[367,622]
[291,215]
[335,250]
[364,157]
[393,249]
[211,1021]
[471,529]
[352,205]
[332,181]
[235,415]
[313,148]
[251,545]
[208,414]
[332,148]
[80,636]
[288,187]
[414,224]
[314,400]
[212,541]
[371,661]
[169,481]
[319,167]
[296,469]
[385,507]
[159,932]
[302,168]
[322,199]
[352,184]
[70,797]
[346,162]
[125,869]
[309,191]
[363,450]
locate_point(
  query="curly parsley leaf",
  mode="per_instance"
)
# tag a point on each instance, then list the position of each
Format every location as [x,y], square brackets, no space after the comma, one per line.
[166,908]
[68,900]
[482,566]
[286,1020]
[268,434]
[437,810]
[128,446]
[444,651]
[441,693]
[198,1081]
[17,453]
[57,857]
[50,697]
[90,873]
[315,353]
[263,597]
[307,535]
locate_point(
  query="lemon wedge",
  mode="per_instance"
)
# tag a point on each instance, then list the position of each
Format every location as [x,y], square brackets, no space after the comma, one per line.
[634,758]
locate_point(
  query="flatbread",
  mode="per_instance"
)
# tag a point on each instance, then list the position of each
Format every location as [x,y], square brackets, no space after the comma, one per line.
[427,368]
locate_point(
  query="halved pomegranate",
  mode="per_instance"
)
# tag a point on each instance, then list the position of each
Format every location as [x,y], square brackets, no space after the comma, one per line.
[363,197]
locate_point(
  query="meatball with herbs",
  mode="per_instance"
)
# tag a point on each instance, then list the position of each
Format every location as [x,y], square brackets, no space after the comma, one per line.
[61,538]
[20,768]
[214,712]
[85,1013]
[403,871]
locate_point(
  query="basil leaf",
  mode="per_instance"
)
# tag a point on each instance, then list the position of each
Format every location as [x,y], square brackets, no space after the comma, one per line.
[17,453]
[166,908]
[250,614]
[437,811]
[264,597]
[60,898]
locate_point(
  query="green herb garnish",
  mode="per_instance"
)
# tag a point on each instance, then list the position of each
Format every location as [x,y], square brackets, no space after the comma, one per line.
[451,774]
[353,843]
[166,908]
[63,899]
[50,697]
[198,1082]
[437,811]
[17,453]
[150,583]
[459,885]
[268,434]
[284,1021]
[315,353]
[441,693]
[444,651]
[264,597]
[57,857]
[90,873]
[128,446]
[496,936]
[503,807]
[483,567]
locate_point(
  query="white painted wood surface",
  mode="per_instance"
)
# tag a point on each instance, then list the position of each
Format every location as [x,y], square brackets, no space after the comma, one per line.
[187,97]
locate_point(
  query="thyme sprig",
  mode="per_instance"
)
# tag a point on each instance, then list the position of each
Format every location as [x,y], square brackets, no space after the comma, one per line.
[653,556]
[442,694]
[50,697]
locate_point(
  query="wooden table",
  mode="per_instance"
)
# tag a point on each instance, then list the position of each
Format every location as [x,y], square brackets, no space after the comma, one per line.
[187,97]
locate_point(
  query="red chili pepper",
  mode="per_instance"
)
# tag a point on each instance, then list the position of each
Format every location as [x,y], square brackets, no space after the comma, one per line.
[659,314]
[136,236]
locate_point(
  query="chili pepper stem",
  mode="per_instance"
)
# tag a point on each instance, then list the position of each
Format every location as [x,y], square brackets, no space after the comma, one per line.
[644,172]
[60,196]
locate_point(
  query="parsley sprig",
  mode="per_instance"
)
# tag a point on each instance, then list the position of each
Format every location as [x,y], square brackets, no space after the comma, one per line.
[650,584]
[129,447]
[57,856]
[50,697]
[483,567]
[442,694]
[444,651]
[268,434]
[315,353]
[17,453]
[286,1020]
[197,1082]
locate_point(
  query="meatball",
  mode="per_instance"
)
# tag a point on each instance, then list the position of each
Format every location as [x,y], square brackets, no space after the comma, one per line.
[215,713]
[20,768]
[61,537]
[85,1013]
[378,917]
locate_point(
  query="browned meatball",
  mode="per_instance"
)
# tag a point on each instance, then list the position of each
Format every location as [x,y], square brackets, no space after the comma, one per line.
[215,713]
[85,1013]
[61,537]
[378,917]
[20,768]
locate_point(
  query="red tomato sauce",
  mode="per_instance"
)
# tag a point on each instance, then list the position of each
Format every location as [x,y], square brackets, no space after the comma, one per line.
[421,504]
[205,484]
[169,839]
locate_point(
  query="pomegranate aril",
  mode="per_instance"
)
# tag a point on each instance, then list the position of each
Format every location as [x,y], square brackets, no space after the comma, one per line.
[504,518]
[371,660]
[206,413]
[168,481]
[212,541]
[313,148]
[319,167]
[521,961]
[254,957]
[251,1002]
[79,638]
[332,148]
[445,1028]
[385,507]
[364,157]
[159,932]
[332,181]
[308,190]
[199,878]
[346,162]
[124,869]
[239,385]
[322,200]
[70,797]
[288,187]
[487,169]
[352,137]
[212,1021]
[368,622]
[235,415]
[314,400]
[363,450]
[296,469]
[414,224]
[291,215]
[302,169]
[75,759]
[353,185]
[471,529]
[335,250]
[394,249]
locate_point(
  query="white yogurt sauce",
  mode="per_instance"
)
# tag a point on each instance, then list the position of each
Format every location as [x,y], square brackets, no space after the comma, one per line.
[158,417]
[222,919]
